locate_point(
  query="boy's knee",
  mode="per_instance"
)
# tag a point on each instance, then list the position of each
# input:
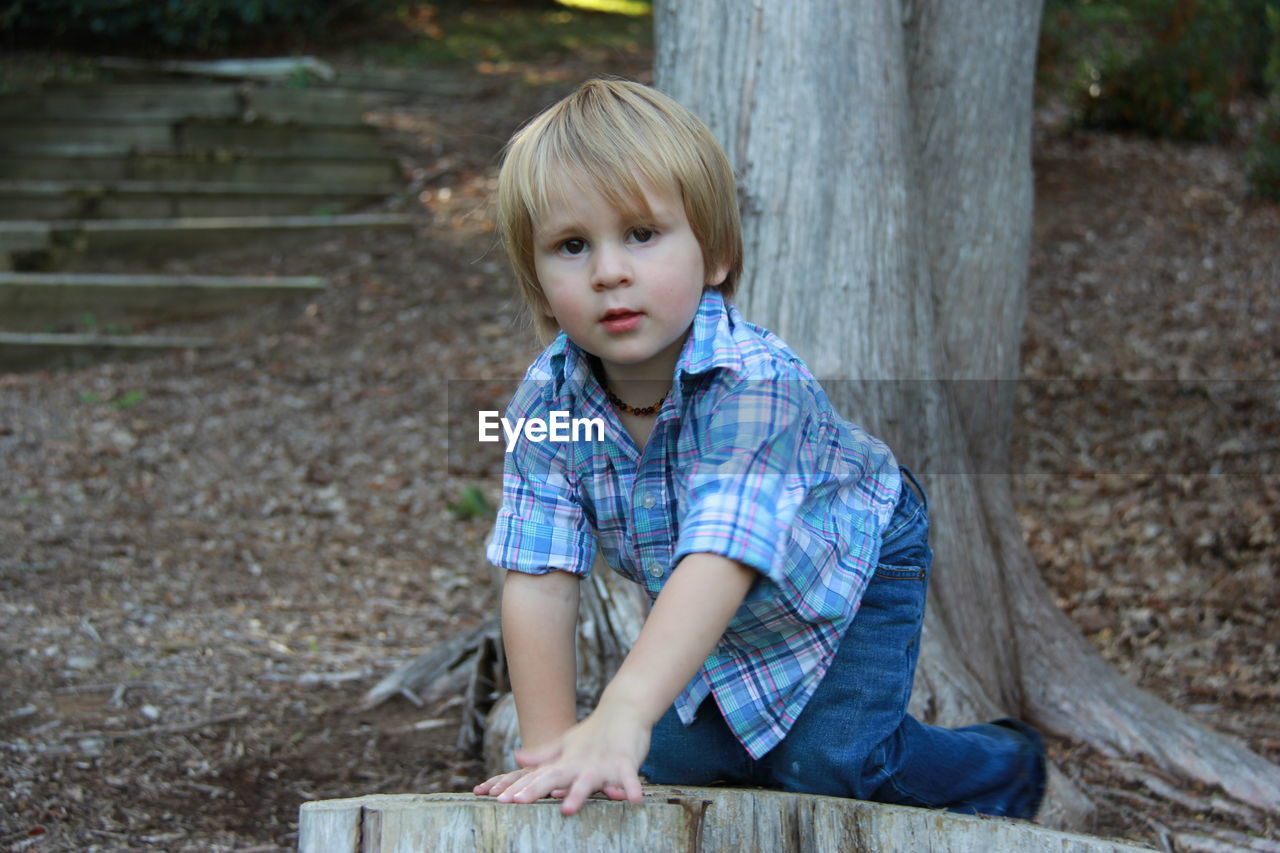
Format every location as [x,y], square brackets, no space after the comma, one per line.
[829,769]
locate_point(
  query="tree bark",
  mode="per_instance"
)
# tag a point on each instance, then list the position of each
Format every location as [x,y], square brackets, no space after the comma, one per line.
[882,149]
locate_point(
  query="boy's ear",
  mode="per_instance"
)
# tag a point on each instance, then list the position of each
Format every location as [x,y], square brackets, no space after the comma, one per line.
[717,276]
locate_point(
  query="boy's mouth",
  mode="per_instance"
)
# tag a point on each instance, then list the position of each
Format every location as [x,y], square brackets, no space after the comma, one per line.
[621,319]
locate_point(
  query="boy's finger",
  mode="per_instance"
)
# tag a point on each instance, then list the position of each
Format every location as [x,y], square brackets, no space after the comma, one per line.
[501,783]
[634,791]
[490,784]
[486,786]
[583,787]
[533,786]
[497,784]
[508,792]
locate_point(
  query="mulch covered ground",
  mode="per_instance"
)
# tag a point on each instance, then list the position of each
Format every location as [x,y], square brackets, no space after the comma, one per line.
[208,558]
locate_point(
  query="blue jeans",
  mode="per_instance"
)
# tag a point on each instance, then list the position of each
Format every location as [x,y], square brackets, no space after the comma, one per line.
[854,738]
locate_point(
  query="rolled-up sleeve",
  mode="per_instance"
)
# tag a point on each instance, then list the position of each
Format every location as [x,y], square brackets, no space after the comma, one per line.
[744,480]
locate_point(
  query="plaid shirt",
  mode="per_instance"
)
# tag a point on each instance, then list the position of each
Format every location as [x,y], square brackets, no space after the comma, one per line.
[747,459]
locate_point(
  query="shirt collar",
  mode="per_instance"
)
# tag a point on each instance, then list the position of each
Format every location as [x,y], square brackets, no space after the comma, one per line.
[570,369]
[711,343]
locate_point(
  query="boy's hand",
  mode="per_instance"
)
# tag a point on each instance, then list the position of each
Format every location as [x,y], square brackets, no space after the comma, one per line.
[601,753]
[497,784]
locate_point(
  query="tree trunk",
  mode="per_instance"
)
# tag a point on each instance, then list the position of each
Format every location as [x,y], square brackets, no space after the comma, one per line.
[883,155]
[698,820]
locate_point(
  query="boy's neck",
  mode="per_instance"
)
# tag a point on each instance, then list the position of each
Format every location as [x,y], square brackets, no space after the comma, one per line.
[637,390]
[635,393]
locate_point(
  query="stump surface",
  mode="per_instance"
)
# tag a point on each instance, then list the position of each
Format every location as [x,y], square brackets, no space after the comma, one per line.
[698,820]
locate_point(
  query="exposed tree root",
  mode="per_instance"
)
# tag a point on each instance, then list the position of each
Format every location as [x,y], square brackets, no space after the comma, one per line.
[1072,692]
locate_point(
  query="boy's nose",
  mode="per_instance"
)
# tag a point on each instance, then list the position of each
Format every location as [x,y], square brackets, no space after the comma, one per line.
[611,269]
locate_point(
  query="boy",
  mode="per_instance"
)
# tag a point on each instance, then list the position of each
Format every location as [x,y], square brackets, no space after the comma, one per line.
[785,551]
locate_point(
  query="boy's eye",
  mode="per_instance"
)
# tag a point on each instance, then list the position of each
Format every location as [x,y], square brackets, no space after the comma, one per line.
[573,246]
[641,235]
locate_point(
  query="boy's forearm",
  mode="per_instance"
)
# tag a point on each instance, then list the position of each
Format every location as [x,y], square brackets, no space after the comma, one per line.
[539,617]
[687,620]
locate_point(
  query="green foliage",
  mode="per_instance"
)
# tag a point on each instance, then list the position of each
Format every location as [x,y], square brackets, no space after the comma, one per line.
[635,8]
[122,403]
[1182,78]
[128,400]
[401,32]
[471,504]
[151,26]
[89,325]
[1261,44]
[508,31]
[1262,164]
[1075,35]
[1168,68]
[1271,75]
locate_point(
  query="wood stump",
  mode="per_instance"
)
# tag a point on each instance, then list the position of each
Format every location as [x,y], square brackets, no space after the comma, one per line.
[698,820]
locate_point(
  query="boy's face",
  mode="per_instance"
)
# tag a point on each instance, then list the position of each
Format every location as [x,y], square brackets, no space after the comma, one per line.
[623,288]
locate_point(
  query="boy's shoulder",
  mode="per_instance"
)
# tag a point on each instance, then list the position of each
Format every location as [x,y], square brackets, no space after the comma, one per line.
[722,338]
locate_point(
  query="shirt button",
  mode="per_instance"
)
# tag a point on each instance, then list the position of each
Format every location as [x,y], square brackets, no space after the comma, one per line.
[648,500]
[655,569]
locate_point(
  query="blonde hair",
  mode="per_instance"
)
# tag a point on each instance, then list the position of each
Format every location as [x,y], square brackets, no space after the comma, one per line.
[619,135]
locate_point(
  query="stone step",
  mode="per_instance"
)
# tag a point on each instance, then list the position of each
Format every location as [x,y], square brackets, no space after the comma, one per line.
[19,351]
[296,138]
[20,236]
[168,235]
[170,102]
[286,70]
[152,199]
[282,70]
[309,139]
[90,162]
[43,301]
